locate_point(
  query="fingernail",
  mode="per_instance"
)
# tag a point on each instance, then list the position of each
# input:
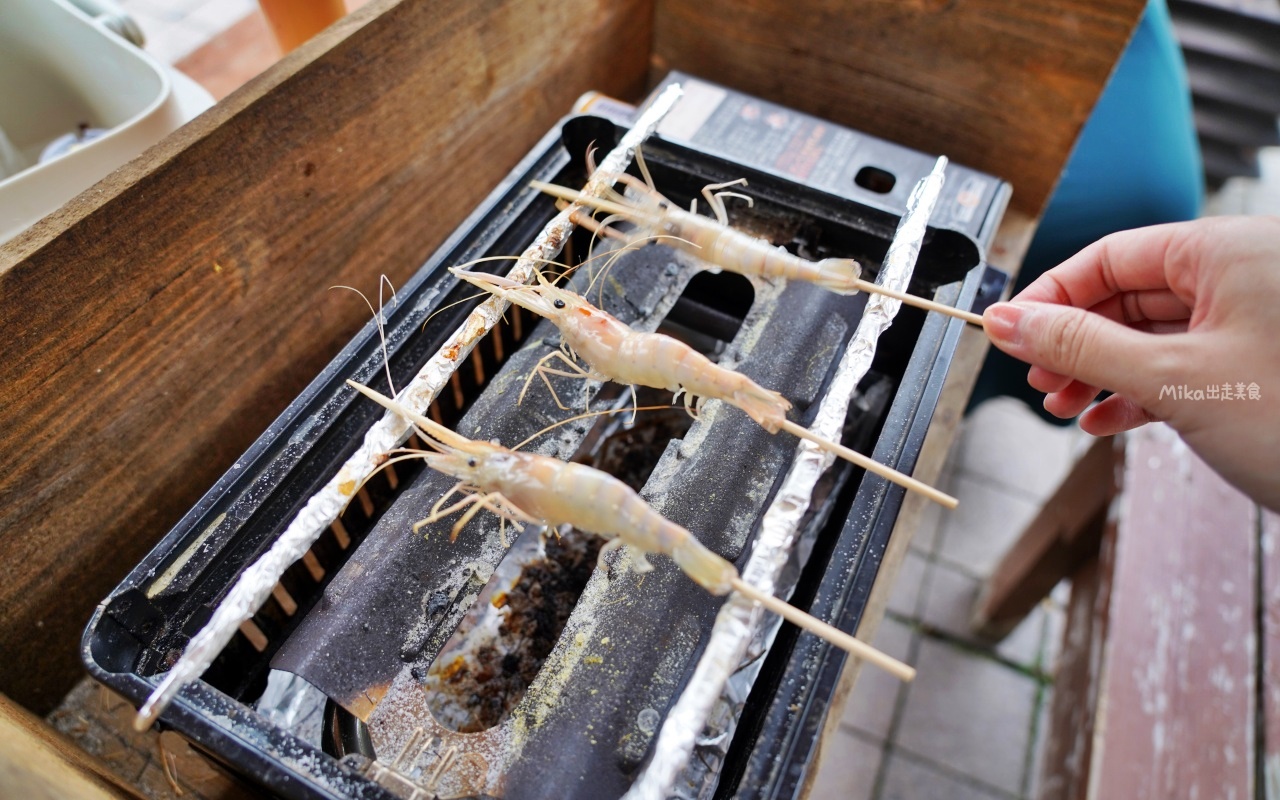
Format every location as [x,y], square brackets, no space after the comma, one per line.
[1001,322]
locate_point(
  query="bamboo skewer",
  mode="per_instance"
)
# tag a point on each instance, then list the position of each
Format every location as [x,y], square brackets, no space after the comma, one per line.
[920,302]
[610,207]
[870,465]
[851,645]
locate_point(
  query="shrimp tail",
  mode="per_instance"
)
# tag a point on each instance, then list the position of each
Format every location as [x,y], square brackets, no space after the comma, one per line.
[840,275]
[766,407]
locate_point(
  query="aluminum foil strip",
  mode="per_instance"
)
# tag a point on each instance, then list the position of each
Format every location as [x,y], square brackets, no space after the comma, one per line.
[691,720]
[256,583]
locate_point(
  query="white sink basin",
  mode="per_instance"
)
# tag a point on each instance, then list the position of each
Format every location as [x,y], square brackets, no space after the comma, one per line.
[61,70]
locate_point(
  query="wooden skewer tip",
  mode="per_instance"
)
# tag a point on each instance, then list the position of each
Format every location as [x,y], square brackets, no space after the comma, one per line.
[851,645]
[921,302]
[871,465]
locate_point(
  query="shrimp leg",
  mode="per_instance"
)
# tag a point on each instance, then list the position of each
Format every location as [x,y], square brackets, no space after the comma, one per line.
[715,198]
[435,514]
[542,371]
[494,501]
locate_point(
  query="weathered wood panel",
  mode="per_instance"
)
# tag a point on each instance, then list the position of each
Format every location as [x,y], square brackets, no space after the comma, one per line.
[157,323]
[1177,719]
[1001,86]
[1068,747]
[1269,563]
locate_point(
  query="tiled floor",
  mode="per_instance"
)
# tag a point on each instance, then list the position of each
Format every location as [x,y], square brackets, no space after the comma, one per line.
[969,726]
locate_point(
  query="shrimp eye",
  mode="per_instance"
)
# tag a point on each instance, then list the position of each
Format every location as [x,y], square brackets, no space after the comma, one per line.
[471,462]
[558,303]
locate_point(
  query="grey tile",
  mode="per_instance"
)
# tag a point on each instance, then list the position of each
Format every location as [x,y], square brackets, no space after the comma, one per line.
[908,779]
[215,16]
[848,769]
[1060,595]
[949,604]
[1005,442]
[1024,646]
[908,585]
[989,519]
[171,42]
[969,713]
[871,705]
[949,600]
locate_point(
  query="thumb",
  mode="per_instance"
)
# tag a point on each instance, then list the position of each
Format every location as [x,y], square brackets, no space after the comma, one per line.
[1082,345]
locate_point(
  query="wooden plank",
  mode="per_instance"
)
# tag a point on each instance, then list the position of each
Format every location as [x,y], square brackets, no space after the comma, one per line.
[1068,749]
[158,322]
[38,764]
[1177,718]
[1068,752]
[1003,87]
[159,765]
[1269,564]
[1062,537]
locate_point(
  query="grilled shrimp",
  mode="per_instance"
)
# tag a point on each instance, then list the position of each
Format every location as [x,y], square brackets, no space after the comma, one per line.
[615,352]
[715,243]
[530,488]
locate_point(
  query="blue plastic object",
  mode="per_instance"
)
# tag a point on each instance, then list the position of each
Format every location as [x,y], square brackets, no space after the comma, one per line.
[1136,163]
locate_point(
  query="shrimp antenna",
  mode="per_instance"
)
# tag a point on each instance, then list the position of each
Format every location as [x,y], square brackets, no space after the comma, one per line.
[644,169]
[548,262]
[404,454]
[586,415]
[444,308]
[379,318]
[614,255]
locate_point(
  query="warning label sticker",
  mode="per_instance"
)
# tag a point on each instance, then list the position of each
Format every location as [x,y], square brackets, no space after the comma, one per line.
[756,132]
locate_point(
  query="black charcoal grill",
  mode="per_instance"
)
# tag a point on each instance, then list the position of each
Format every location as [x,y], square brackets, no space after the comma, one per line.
[409,682]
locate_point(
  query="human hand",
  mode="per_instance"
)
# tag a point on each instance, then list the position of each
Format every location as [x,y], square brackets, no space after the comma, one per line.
[1165,317]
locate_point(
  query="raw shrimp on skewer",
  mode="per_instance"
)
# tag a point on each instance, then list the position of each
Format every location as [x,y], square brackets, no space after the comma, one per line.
[526,487]
[713,241]
[615,352]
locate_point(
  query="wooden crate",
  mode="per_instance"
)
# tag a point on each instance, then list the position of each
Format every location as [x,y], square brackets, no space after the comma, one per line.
[158,322]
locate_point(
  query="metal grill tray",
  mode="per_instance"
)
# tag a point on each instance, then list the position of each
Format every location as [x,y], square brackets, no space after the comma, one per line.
[389,600]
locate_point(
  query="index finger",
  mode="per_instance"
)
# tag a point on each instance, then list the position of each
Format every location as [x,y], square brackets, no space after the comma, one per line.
[1128,261]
